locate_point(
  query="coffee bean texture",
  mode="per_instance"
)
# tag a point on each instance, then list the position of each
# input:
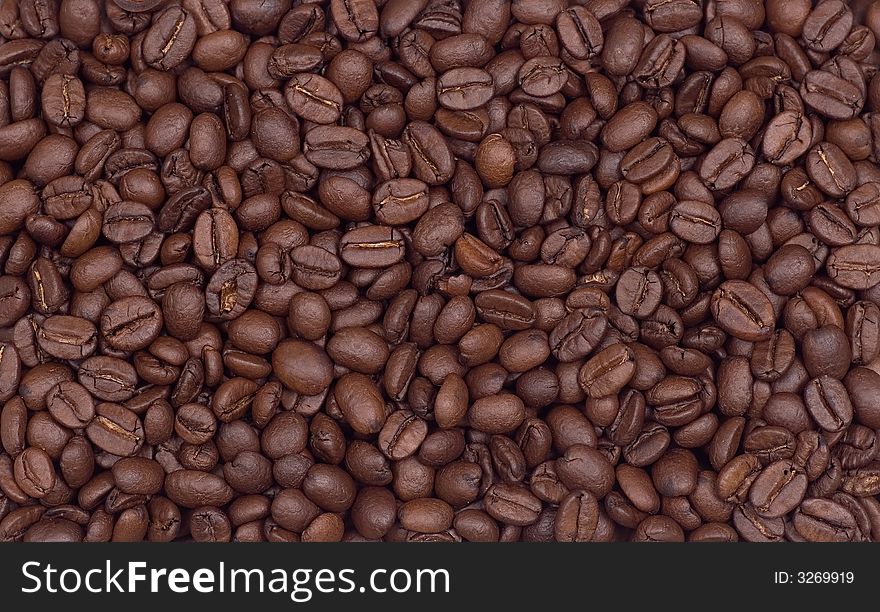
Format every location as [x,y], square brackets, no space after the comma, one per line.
[439,270]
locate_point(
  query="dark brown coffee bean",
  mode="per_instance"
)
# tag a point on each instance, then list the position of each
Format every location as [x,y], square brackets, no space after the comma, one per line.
[608,371]
[432,158]
[116,430]
[778,489]
[826,27]
[231,289]
[512,504]
[108,378]
[170,39]
[577,518]
[71,405]
[314,98]
[822,520]
[131,324]
[727,163]
[743,311]
[831,170]
[371,246]
[191,489]
[138,476]
[66,337]
[787,137]
[855,266]
[497,414]
[336,148]
[34,472]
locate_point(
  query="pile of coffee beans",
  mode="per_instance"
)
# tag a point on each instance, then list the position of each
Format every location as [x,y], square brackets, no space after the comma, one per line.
[439,270]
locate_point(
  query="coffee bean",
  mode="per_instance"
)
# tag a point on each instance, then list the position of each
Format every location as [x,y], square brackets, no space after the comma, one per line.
[826,27]
[639,292]
[426,515]
[67,337]
[34,472]
[860,329]
[71,405]
[191,489]
[371,246]
[231,289]
[432,158]
[500,413]
[116,430]
[138,476]
[512,504]
[315,268]
[108,378]
[778,489]
[302,366]
[855,266]
[742,310]
[63,100]
[608,371]
[337,148]
[822,520]
[464,88]
[170,39]
[727,163]
[830,169]
[695,222]
[580,33]
[629,126]
[577,518]
[787,137]
[131,324]
[314,98]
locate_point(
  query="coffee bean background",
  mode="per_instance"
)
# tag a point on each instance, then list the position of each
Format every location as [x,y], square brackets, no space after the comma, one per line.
[439,270]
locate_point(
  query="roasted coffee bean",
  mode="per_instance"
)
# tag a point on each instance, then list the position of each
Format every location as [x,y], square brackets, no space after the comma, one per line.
[831,95]
[108,378]
[754,528]
[822,520]
[638,292]
[743,311]
[512,504]
[432,158]
[34,472]
[71,405]
[314,98]
[116,430]
[778,489]
[192,489]
[787,137]
[580,32]
[231,289]
[608,371]
[138,476]
[63,100]
[855,266]
[464,88]
[579,333]
[170,39]
[336,148]
[66,337]
[371,246]
[577,518]
[400,201]
[860,328]
[131,324]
